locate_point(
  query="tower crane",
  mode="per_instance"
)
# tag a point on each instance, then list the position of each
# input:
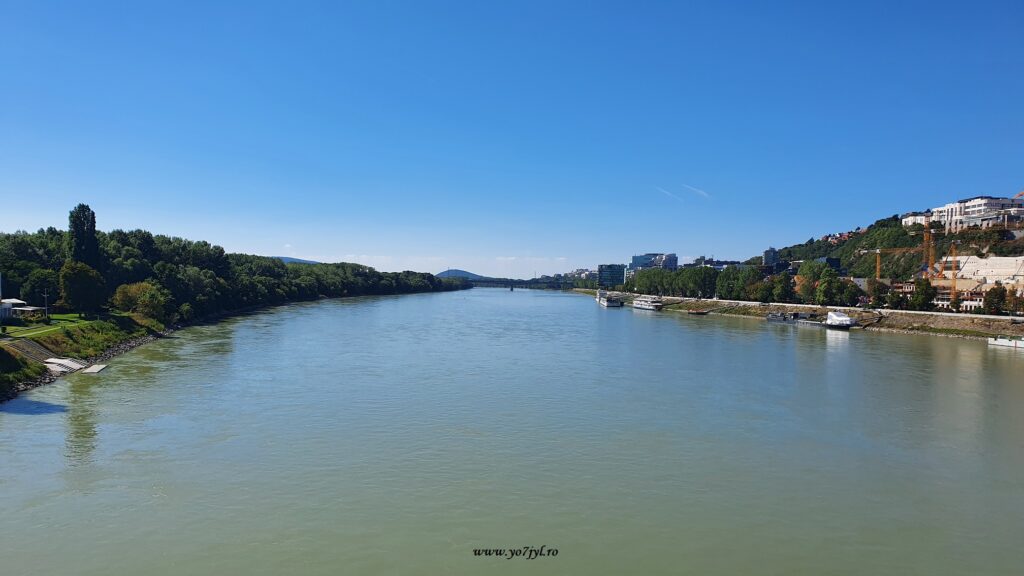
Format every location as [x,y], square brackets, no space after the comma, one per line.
[878,256]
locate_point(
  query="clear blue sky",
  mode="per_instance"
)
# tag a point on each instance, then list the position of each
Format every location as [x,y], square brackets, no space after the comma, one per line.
[504,137]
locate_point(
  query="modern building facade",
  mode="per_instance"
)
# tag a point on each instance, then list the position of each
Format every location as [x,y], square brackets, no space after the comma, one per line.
[770,257]
[978,211]
[654,260]
[611,275]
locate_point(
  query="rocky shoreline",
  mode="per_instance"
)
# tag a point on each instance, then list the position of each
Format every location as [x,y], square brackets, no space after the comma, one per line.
[116,350]
[129,344]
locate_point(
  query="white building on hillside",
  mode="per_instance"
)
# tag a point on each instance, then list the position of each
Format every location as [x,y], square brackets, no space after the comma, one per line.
[977,211]
[911,218]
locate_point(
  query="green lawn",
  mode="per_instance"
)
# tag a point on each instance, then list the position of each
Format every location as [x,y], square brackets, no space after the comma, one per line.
[58,321]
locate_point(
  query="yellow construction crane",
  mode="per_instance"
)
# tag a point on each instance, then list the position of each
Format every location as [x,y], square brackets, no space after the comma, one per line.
[952,289]
[878,256]
[927,248]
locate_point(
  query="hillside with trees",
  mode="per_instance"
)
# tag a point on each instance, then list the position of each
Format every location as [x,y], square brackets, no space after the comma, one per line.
[854,253]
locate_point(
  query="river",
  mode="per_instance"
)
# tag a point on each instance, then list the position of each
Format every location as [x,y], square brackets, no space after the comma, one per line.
[395,435]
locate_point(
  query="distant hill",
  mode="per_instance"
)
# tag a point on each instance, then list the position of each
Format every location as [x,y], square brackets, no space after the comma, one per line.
[290,260]
[456,273]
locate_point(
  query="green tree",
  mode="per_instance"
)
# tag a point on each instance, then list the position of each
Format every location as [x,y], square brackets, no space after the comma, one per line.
[142,297]
[762,291]
[850,294]
[782,290]
[41,285]
[83,245]
[877,291]
[829,287]
[81,287]
[994,301]
[924,295]
[153,303]
[895,300]
[809,274]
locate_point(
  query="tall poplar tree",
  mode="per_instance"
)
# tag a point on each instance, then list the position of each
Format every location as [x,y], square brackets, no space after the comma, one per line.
[82,243]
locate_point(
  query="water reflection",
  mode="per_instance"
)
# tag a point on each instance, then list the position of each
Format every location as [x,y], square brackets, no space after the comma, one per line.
[320,435]
[80,443]
[31,407]
[836,340]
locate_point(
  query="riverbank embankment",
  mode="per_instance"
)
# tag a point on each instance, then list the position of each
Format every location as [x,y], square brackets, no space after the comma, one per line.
[975,326]
[94,342]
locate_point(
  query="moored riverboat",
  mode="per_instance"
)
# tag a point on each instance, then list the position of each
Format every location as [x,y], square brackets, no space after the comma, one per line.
[610,302]
[1015,342]
[648,303]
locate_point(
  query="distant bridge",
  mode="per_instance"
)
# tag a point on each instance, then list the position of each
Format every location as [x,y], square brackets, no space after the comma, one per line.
[530,284]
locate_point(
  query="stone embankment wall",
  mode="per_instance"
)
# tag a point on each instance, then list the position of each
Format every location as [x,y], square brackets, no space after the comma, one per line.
[937,323]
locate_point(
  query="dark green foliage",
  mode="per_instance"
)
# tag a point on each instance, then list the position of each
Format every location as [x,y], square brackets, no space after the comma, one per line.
[695,282]
[782,288]
[189,280]
[82,242]
[877,291]
[41,285]
[995,300]
[15,369]
[733,283]
[924,294]
[81,287]
[896,301]
[829,287]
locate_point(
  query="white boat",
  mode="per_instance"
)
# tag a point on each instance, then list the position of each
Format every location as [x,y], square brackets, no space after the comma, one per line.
[839,320]
[1007,342]
[648,303]
[610,302]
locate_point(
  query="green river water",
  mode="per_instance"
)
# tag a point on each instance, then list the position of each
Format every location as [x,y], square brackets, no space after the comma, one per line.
[395,435]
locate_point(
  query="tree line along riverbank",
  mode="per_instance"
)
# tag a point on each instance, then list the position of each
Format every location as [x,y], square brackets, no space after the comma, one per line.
[122,286]
[936,323]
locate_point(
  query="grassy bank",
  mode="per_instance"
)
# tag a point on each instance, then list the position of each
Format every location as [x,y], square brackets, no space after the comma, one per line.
[13,370]
[89,339]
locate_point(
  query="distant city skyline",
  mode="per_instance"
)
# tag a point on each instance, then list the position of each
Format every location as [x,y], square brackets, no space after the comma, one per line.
[505,139]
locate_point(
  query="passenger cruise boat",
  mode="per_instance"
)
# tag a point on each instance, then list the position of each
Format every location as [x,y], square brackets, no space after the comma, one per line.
[607,301]
[648,303]
[1007,342]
